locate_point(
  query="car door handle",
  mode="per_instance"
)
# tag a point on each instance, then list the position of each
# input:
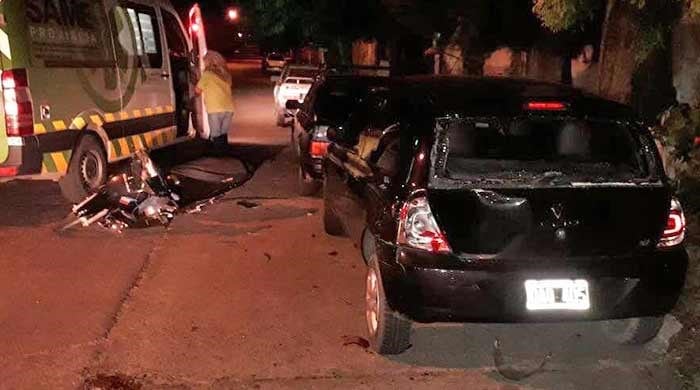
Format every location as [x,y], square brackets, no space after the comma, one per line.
[165,75]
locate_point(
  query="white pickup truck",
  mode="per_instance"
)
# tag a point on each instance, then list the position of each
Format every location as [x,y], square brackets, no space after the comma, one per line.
[294,83]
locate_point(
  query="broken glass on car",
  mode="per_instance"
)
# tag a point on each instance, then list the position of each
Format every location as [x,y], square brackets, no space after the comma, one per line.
[540,151]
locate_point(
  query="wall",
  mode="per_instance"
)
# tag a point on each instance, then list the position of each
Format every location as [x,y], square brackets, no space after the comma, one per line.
[686,61]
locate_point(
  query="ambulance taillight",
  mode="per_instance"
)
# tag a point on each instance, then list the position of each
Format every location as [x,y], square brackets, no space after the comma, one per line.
[17,101]
[195,20]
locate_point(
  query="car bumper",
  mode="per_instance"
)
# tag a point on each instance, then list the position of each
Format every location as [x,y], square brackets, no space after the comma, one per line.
[313,166]
[22,160]
[430,288]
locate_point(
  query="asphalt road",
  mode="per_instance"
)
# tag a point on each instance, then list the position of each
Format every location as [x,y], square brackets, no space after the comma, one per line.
[237,297]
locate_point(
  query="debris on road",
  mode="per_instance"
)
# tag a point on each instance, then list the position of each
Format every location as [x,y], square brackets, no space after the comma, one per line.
[269,256]
[248,204]
[355,340]
[334,253]
[140,199]
[512,372]
[116,381]
[145,198]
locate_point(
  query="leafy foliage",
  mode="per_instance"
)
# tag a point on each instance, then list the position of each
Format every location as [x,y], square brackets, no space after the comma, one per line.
[656,18]
[289,23]
[561,15]
[679,129]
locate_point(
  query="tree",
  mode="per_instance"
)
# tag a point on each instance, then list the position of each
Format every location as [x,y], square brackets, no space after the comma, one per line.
[631,31]
[285,24]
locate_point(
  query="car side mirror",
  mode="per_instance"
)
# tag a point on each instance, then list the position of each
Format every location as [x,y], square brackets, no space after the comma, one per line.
[274,78]
[293,105]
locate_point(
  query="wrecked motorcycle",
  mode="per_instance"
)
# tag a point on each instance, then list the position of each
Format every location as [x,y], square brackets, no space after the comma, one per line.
[138,199]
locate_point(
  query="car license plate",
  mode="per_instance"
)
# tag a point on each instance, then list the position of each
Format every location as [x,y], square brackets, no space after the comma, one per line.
[557,295]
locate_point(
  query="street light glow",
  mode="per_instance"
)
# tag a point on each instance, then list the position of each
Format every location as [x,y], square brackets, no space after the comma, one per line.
[232,14]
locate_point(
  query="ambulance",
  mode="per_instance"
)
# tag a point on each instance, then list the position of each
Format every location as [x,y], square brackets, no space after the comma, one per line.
[86,83]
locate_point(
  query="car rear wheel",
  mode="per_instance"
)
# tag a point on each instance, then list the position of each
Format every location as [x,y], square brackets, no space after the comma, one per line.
[87,170]
[331,222]
[633,331]
[369,245]
[281,119]
[307,185]
[389,332]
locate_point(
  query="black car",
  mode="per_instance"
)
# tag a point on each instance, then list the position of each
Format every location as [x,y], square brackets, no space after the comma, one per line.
[498,200]
[339,103]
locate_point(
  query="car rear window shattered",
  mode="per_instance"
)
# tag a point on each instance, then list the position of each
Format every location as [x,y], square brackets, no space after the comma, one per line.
[539,151]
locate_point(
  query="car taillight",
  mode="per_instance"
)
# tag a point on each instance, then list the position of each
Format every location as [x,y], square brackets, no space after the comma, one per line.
[418,228]
[674,231]
[9,171]
[195,20]
[318,149]
[546,106]
[17,102]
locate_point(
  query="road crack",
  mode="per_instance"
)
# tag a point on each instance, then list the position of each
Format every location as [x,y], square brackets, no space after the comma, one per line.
[120,309]
[135,284]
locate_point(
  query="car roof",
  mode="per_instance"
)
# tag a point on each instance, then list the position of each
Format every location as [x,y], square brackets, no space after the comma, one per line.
[302,66]
[360,80]
[493,96]
[298,78]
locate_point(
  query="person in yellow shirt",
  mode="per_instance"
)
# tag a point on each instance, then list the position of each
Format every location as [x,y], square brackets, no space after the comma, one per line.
[215,86]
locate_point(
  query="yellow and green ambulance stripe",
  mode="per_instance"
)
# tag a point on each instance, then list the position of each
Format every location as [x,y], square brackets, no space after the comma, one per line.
[81,122]
[56,162]
[124,147]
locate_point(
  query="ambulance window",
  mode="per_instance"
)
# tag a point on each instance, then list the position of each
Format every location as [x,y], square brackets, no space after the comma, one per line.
[137,30]
[144,38]
[174,34]
[149,34]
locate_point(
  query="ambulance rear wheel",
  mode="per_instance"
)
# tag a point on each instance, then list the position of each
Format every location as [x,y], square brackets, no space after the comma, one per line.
[87,170]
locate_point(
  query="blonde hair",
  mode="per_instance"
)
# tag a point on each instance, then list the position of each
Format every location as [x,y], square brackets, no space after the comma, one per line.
[216,63]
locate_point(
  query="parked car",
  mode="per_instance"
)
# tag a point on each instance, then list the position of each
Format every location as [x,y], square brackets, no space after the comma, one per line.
[273,63]
[293,70]
[498,200]
[330,104]
[294,85]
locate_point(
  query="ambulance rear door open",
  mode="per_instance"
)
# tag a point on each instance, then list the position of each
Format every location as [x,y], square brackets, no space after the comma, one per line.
[199,50]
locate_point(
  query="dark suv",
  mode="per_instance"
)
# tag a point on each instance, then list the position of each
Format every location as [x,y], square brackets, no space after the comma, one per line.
[338,103]
[498,200]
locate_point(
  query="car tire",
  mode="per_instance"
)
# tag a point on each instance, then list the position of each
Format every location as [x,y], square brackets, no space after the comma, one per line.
[294,139]
[633,331]
[87,170]
[281,120]
[389,332]
[307,186]
[369,245]
[331,223]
